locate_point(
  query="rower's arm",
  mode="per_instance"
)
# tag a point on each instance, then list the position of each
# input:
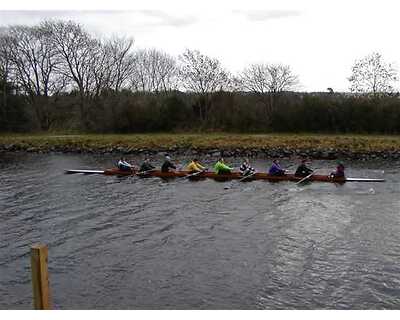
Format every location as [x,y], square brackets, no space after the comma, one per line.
[227,167]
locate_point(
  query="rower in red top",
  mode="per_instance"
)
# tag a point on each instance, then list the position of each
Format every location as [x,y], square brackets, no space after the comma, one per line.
[339,173]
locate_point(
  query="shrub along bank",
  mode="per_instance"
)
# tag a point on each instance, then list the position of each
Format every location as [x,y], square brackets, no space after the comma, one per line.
[316,146]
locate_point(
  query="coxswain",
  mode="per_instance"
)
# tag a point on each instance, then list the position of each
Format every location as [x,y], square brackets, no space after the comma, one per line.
[221,168]
[125,166]
[339,173]
[246,169]
[303,170]
[146,166]
[276,169]
[167,165]
[195,166]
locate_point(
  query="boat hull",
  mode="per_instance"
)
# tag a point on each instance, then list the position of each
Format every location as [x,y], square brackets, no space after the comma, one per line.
[223,177]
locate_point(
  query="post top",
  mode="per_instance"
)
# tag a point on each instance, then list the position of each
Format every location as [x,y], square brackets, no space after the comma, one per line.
[39,246]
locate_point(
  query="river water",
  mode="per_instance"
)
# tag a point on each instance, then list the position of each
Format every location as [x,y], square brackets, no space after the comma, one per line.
[130,243]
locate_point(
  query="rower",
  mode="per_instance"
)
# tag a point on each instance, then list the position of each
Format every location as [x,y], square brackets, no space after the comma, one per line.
[276,169]
[246,169]
[302,169]
[221,168]
[146,166]
[339,173]
[195,166]
[167,165]
[125,166]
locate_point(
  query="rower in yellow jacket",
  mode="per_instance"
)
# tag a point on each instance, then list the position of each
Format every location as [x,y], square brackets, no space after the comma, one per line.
[195,166]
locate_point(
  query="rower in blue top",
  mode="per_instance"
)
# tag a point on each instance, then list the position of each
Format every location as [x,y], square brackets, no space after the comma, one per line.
[276,169]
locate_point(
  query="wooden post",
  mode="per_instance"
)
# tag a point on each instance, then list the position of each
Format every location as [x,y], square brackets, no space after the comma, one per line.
[40,277]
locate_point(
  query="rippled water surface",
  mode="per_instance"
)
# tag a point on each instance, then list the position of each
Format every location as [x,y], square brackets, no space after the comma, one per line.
[133,243]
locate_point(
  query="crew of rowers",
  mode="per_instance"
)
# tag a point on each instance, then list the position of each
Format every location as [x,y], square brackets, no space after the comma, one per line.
[222,168]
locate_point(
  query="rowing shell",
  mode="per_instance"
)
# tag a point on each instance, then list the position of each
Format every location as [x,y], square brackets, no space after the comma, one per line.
[364,180]
[85,171]
[223,177]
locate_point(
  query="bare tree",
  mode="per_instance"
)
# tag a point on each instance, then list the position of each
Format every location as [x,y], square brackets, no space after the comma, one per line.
[268,78]
[34,66]
[5,69]
[100,71]
[372,75]
[167,70]
[202,75]
[154,71]
[122,62]
[115,64]
[268,81]
[79,54]
[5,60]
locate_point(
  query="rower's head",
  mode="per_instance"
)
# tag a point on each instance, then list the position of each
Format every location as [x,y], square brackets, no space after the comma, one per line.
[168,158]
[246,160]
[221,159]
[275,161]
[340,165]
[303,161]
[195,160]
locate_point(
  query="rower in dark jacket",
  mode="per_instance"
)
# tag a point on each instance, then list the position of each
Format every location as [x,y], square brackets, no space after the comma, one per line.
[167,165]
[303,170]
[146,165]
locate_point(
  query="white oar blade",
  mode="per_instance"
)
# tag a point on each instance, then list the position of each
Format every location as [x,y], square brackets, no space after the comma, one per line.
[85,171]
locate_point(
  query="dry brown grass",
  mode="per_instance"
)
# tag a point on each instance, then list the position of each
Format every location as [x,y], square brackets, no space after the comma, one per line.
[355,143]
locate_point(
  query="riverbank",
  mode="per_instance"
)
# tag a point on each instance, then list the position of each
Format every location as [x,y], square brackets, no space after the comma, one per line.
[315,146]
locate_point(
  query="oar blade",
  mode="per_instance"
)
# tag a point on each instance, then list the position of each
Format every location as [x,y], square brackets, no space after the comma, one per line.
[305,178]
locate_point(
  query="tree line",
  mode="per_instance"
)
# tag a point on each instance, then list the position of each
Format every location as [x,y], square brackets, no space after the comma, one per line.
[57,76]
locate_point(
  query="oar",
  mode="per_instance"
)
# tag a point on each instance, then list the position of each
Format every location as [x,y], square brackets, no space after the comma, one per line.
[145,172]
[286,169]
[306,177]
[193,174]
[289,167]
[240,180]
[246,177]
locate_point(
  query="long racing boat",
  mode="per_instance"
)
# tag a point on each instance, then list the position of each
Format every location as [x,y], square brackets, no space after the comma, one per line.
[221,177]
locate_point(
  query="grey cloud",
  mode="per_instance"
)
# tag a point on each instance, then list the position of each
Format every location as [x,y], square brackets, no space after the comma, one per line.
[166,19]
[23,17]
[263,15]
[30,17]
[156,18]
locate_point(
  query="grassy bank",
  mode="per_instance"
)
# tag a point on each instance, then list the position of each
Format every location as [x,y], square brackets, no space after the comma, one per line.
[353,143]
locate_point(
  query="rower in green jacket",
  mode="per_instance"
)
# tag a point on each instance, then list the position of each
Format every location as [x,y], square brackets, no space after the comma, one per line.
[221,168]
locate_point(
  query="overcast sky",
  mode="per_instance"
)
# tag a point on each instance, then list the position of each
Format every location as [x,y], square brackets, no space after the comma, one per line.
[320,40]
